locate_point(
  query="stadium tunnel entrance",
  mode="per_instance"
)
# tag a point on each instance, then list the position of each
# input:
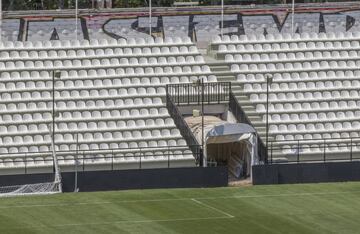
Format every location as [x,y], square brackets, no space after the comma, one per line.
[230,144]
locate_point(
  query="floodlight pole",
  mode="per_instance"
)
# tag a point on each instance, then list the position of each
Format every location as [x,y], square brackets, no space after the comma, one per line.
[76,19]
[200,84]
[76,164]
[292,17]
[202,122]
[0,20]
[150,23]
[55,74]
[222,17]
[268,78]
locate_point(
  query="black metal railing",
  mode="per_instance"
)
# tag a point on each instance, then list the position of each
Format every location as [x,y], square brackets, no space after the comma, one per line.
[109,159]
[314,150]
[191,93]
[205,93]
[184,129]
[241,117]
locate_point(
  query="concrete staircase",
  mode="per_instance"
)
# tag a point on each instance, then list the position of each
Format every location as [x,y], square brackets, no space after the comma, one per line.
[223,74]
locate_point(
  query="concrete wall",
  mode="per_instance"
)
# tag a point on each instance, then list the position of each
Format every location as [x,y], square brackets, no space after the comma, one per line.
[194,177]
[306,173]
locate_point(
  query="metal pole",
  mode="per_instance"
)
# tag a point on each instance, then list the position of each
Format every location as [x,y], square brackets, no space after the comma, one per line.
[0,20]
[298,151]
[150,23]
[292,17]
[271,153]
[53,106]
[76,19]
[351,149]
[25,160]
[267,114]
[55,74]
[76,163]
[324,150]
[202,120]
[222,17]
[112,159]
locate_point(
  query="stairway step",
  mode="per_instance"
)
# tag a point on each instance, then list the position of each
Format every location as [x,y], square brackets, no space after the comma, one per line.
[225,78]
[253,118]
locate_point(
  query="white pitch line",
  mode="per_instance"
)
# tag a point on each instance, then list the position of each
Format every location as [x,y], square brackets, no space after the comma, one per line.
[177,199]
[117,222]
[213,208]
[140,221]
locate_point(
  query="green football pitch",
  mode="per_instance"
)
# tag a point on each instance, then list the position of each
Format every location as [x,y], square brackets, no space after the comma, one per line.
[306,208]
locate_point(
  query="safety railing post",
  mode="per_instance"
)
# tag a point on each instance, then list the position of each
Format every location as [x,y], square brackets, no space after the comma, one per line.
[140,159]
[298,151]
[351,149]
[168,156]
[25,163]
[324,150]
[112,159]
[271,152]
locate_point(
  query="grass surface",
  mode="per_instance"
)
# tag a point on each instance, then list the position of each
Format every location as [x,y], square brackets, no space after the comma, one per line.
[309,208]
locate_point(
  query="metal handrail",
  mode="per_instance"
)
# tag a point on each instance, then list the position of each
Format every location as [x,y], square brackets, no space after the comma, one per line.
[323,145]
[183,127]
[241,117]
[91,158]
[190,93]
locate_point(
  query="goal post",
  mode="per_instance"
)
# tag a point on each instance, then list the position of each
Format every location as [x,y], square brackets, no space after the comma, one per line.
[37,188]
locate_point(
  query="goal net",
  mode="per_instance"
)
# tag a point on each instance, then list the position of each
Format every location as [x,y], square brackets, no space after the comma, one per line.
[38,188]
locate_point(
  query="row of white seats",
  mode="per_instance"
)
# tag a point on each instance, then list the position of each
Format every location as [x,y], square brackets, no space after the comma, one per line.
[317,136]
[316,105]
[313,76]
[86,124]
[5,152]
[298,86]
[122,62]
[94,133]
[101,92]
[91,143]
[285,37]
[38,53]
[105,83]
[297,66]
[95,73]
[156,157]
[104,52]
[81,104]
[315,116]
[94,136]
[130,71]
[289,47]
[292,56]
[86,157]
[304,96]
[40,147]
[77,116]
[311,149]
[316,127]
[61,44]
[101,124]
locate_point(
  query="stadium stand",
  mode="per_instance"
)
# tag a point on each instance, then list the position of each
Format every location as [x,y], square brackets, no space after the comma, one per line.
[109,98]
[314,93]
